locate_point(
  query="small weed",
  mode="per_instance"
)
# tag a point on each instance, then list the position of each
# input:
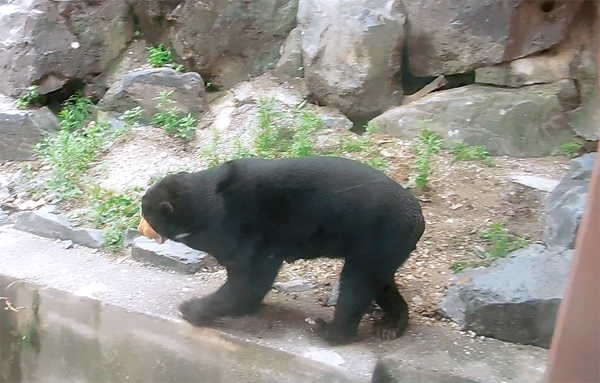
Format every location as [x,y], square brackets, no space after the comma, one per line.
[466,152]
[269,139]
[426,144]
[210,153]
[500,241]
[457,267]
[378,163]
[29,99]
[75,112]
[159,56]
[172,120]
[372,127]
[354,144]
[302,141]
[570,149]
[132,116]
[178,67]
[114,212]
[69,155]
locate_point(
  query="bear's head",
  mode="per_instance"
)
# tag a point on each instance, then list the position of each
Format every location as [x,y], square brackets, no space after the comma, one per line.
[166,209]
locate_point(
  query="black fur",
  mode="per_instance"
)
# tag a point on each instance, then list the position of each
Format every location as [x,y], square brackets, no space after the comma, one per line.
[253,214]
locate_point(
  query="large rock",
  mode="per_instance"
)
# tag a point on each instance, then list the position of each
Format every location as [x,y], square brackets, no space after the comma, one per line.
[516,299]
[171,255]
[290,62]
[352,53]
[50,42]
[457,36]
[141,88]
[226,40]
[585,120]
[566,203]
[21,129]
[54,226]
[524,122]
[537,69]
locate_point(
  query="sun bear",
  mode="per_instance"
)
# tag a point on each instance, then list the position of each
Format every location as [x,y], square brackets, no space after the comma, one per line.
[254,214]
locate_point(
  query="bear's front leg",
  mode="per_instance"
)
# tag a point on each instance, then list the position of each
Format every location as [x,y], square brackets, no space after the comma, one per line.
[246,286]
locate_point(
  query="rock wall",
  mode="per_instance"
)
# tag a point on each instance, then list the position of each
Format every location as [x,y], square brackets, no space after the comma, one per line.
[353,56]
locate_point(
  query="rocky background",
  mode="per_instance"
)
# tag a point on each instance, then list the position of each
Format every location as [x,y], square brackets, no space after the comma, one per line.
[516,77]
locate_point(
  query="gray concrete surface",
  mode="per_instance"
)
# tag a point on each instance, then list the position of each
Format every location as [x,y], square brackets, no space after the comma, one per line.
[128,315]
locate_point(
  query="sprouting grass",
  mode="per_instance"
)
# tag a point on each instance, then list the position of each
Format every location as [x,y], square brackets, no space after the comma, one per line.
[500,242]
[132,116]
[466,152]
[69,155]
[457,267]
[570,149]
[172,120]
[29,99]
[114,212]
[352,144]
[75,112]
[159,56]
[426,145]
[281,134]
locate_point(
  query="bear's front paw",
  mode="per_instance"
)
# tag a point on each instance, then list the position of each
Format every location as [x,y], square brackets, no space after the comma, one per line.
[196,312]
[331,334]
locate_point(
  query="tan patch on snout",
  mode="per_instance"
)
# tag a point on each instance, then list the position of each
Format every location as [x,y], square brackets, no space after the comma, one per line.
[147,231]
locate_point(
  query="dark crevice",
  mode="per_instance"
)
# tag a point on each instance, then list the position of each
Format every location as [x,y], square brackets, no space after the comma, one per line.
[54,100]
[359,122]
[548,6]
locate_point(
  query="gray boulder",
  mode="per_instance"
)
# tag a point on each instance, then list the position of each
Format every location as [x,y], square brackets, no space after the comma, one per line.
[457,36]
[54,226]
[536,69]
[516,299]
[50,42]
[231,40]
[566,203]
[523,122]
[290,62]
[352,53]
[21,129]
[171,255]
[141,88]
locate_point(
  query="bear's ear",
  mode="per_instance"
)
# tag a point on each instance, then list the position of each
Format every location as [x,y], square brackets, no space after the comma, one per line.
[228,176]
[165,208]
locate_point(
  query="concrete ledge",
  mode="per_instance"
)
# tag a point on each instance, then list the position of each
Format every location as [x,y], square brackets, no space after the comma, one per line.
[102,319]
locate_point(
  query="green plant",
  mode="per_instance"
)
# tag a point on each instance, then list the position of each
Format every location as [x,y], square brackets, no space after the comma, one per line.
[500,241]
[159,56]
[378,163]
[457,267]
[354,144]
[30,98]
[570,149]
[465,152]
[69,155]
[114,212]
[132,116]
[75,112]
[372,127]
[172,120]
[210,153]
[302,141]
[426,145]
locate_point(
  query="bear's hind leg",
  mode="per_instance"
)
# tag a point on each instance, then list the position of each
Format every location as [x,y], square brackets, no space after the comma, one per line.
[395,319]
[242,294]
[355,297]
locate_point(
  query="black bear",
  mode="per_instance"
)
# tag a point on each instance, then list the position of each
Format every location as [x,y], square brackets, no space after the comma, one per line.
[254,214]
